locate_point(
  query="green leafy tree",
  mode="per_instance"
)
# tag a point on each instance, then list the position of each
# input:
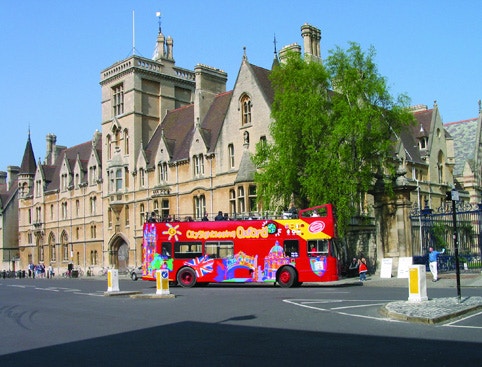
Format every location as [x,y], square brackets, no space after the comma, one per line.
[332,132]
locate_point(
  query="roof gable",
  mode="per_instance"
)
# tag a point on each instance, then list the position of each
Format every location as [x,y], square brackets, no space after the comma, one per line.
[214,119]
[65,163]
[177,130]
[262,78]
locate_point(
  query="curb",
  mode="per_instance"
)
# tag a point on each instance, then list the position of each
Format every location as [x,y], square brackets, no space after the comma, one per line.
[119,293]
[153,296]
[407,311]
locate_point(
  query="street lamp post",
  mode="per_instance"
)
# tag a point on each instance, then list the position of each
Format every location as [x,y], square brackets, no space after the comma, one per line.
[453,195]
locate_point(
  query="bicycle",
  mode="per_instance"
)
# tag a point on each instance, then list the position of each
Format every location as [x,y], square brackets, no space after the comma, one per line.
[103,271]
[446,263]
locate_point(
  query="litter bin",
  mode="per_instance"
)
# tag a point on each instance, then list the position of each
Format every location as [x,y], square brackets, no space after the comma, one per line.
[75,273]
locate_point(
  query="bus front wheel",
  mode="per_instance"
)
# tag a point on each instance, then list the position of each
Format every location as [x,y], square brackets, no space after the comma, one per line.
[287,277]
[186,277]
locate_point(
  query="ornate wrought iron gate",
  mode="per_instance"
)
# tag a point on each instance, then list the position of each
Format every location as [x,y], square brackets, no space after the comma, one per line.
[434,228]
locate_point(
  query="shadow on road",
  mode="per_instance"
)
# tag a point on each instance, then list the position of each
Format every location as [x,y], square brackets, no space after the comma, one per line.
[227,344]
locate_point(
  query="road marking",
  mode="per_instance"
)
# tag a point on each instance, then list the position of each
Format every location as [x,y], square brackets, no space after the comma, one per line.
[453,323]
[89,294]
[59,289]
[48,289]
[307,304]
[311,304]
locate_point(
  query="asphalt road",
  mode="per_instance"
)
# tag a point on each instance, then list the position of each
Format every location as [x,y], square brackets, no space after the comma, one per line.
[69,322]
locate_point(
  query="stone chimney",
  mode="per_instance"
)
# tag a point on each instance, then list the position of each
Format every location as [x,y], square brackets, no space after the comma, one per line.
[3,181]
[170,48]
[283,54]
[96,137]
[311,41]
[209,83]
[12,175]
[51,152]
[164,48]
[160,51]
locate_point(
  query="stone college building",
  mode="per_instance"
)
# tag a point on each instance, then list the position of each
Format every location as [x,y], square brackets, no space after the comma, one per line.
[174,142]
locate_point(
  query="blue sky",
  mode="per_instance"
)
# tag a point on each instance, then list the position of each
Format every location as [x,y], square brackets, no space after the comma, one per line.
[52,52]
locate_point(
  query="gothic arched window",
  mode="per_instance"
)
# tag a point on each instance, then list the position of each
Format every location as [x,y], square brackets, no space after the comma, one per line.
[245,110]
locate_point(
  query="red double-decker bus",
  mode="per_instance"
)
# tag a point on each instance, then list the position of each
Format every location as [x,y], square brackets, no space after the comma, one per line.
[284,251]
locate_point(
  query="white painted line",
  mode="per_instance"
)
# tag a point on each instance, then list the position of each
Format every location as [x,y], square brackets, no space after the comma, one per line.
[304,305]
[47,289]
[325,301]
[337,312]
[453,323]
[89,294]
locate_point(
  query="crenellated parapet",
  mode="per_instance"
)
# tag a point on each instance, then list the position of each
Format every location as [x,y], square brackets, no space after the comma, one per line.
[144,64]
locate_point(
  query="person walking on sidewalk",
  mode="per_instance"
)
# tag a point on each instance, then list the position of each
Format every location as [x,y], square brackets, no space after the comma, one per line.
[363,269]
[432,262]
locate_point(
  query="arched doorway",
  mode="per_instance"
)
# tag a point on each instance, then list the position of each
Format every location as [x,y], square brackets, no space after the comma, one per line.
[119,254]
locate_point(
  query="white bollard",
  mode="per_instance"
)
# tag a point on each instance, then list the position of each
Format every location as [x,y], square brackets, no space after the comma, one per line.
[112,280]
[417,283]
[162,281]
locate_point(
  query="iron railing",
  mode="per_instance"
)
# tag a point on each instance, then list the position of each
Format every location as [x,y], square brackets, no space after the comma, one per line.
[434,228]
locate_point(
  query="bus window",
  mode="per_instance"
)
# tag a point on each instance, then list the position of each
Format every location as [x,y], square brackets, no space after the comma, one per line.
[187,250]
[219,250]
[291,248]
[317,247]
[166,249]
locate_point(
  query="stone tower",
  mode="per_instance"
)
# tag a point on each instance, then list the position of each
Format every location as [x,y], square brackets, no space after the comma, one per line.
[27,170]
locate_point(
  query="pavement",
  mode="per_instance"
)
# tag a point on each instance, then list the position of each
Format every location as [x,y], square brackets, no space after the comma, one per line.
[433,310]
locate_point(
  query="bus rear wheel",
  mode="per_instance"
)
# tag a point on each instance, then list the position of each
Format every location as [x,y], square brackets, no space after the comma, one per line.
[287,277]
[186,277]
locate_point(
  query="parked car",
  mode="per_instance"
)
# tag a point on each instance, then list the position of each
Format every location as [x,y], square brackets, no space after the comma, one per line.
[136,273]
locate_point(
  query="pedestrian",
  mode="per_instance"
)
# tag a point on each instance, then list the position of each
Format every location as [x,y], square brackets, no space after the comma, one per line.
[362,269]
[205,218]
[219,216]
[353,268]
[432,262]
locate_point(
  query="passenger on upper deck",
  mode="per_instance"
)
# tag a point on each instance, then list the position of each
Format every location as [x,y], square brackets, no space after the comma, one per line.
[219,216]
[152,218]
